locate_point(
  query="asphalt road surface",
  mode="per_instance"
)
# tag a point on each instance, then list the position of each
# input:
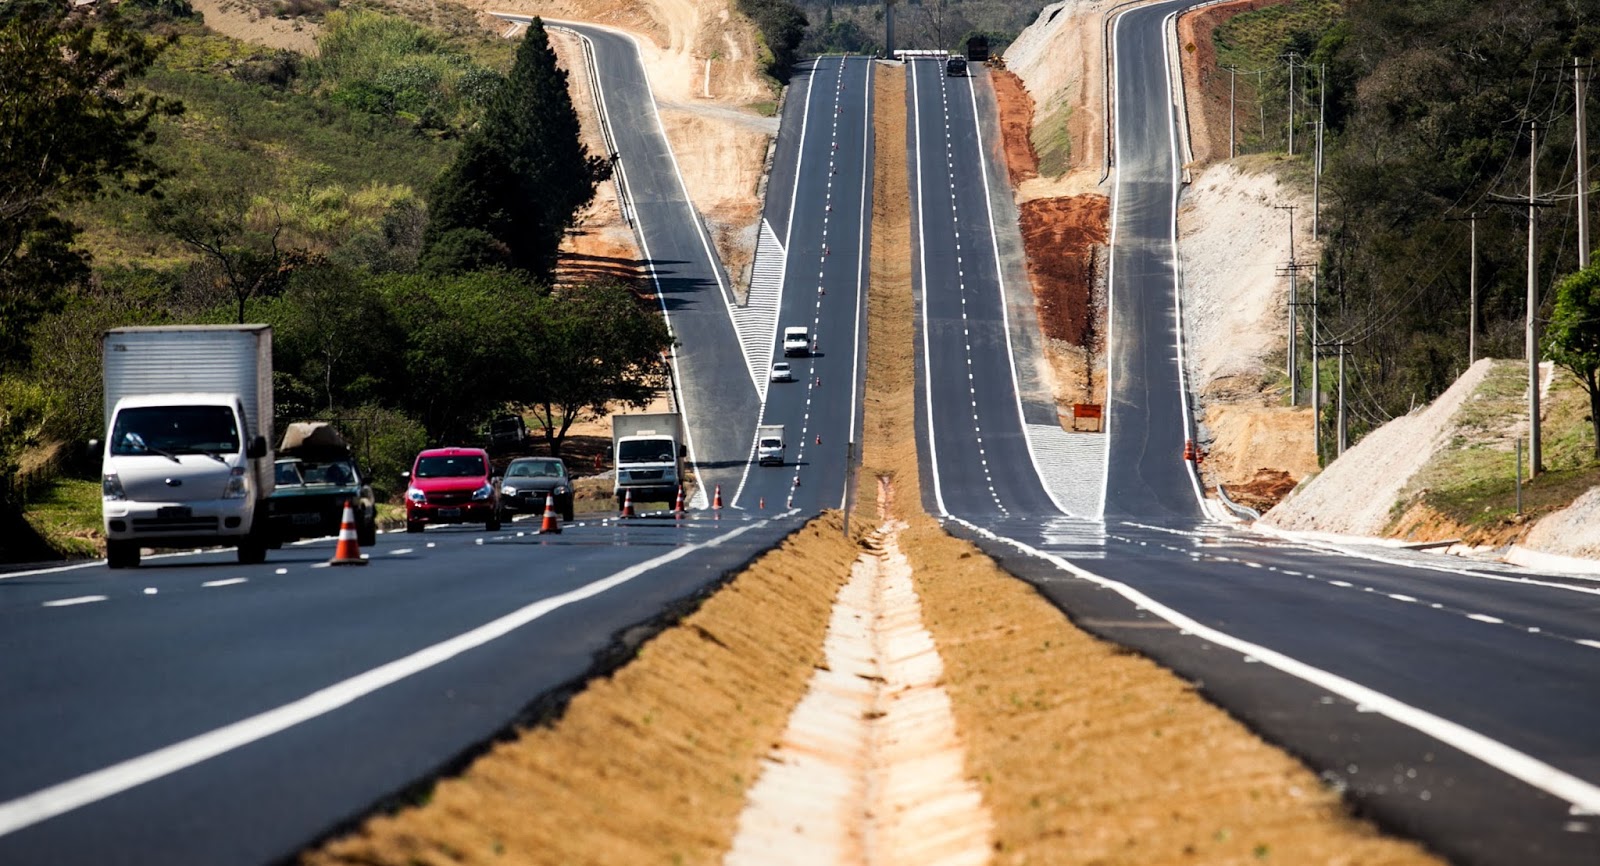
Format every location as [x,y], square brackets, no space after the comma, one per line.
[1455,703]
[200,711]
[826,158]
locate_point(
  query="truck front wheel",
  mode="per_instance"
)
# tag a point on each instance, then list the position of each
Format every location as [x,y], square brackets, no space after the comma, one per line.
[122,554]
[252,551]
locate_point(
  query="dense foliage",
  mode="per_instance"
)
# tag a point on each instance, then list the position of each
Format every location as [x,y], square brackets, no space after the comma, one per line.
[782,26]
[1429,105]
[522,175]
[286,192]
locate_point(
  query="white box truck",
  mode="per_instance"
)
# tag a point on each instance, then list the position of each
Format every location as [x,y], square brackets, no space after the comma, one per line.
[187,459]
[769,445]
[647,456]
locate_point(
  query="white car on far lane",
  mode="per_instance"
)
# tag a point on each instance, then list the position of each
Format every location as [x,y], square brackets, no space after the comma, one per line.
[781,372]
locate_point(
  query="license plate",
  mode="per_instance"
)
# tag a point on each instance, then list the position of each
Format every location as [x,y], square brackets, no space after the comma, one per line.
[449,512]
[174,511]
[307,519]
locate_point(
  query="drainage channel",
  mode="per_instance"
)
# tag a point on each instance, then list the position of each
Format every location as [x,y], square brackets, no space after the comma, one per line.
[871,768]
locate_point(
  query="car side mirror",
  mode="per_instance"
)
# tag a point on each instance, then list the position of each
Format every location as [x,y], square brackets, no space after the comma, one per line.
[405,475]
[94,447]
[257,449]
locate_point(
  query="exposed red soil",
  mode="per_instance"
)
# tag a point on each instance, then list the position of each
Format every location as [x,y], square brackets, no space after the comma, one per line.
[1016,122]
[1206,86]
[1060,235]
[1265,490]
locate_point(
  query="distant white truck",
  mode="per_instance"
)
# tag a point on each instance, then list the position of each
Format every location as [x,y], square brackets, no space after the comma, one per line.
[769,445]
[796,342]
[187,458]
[647,456]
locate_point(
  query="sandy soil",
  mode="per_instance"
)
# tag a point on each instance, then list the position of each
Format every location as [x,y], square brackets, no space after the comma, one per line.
[244,22]
[1060,59]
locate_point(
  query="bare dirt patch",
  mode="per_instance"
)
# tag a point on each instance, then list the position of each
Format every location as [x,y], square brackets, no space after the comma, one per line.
[648,764]
[1061,60]
[1016,125]
[245,23]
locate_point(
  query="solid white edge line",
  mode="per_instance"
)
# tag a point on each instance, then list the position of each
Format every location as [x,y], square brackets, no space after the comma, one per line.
[1111,292]
[701,498]
[868,147]
[1177,263]
[75,793]
[1005,314]
[1519,765]
[922,271]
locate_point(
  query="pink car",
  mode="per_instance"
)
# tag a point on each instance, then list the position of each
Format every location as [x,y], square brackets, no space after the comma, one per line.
[451,485]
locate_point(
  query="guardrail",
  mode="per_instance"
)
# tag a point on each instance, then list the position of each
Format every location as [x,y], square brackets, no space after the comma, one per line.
[1244,512]
[593,71]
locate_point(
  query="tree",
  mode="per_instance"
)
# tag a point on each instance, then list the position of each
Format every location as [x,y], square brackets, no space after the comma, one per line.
[239,243]
[70,126]
[523,175]
[332,329]
[1572,337]
[597,344]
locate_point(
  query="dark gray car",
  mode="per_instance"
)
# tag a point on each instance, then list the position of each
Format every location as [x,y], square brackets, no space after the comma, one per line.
[526,482]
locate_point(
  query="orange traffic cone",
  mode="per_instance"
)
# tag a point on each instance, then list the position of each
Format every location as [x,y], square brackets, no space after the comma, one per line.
[762,503]
[716,501]
[627,503]
[677,505]
[550,524]
[349,551]
[1188,449]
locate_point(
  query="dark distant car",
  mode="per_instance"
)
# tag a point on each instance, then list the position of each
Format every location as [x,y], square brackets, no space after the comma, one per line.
[315,475]
[507,431]
[956,66]
[528,480]
[452,485]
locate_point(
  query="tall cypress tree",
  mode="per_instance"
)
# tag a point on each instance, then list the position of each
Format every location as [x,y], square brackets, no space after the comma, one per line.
[523,175]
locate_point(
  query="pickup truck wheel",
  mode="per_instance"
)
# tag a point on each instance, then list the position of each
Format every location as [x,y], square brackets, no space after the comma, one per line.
[367,533]
[252,551]
[122,554]
[413,526]
[566,514]
[493,524]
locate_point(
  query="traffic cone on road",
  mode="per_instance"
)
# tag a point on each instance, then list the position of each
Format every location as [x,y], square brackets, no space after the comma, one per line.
[1188,450]
[349,551]
[627,503]
[716,500]
[550,524]
[677,506]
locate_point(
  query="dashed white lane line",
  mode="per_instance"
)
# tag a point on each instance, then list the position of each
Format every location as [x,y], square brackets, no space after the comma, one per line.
[1592,644]
[68,602]
[1483,617]
[1398,597]
[230,581]
[401,551]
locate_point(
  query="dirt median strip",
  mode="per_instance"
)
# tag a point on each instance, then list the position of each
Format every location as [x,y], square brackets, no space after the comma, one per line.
[651,763]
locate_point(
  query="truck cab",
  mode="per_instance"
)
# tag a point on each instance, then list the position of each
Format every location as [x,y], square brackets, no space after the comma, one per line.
[796,342]
[176,472]
[770,446]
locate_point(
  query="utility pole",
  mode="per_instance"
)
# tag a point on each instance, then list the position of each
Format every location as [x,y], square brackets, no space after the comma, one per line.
[1472,315]
[1291,57]
[1344,428]
[1232,75]
[1322,117]
[1316,376]
[1292,269]
[1532,325]
[1580,85]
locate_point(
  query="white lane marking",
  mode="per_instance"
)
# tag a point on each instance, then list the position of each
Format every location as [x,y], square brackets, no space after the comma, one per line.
[1512,762]
[400,551]
[1339,583]
[68,602]
[1398,597]
[922,254]
[1482,617]
[230,581]
[75,793]
[150,590]
[281,571]
[1593,644]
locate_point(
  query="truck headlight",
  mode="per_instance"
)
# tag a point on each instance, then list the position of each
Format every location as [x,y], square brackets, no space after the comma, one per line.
[416,496]
[236,488]
[484,492]
[508,490]
[111,487]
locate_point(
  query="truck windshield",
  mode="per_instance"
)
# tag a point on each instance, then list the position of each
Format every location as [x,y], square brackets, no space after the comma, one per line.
[645,451]
[175,430]
[468,466]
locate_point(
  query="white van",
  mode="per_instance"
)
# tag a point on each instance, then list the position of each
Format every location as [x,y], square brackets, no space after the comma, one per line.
[796,341]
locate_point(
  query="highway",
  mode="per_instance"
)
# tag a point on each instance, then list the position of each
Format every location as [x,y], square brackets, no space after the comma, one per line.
[1454,702]
[822,174]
